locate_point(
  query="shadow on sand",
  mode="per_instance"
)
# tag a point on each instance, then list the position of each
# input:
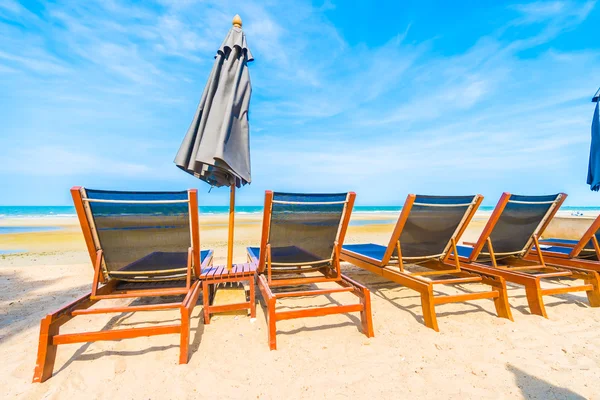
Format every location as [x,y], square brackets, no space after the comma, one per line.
[535,388]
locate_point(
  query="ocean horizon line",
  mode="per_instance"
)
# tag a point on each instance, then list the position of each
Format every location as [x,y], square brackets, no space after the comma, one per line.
[69,211]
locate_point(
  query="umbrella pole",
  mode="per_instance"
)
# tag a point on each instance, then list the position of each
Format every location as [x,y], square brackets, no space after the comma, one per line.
[231,223]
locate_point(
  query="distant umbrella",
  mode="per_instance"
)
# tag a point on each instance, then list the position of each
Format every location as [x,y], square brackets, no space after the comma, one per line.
[216,147]
[593,178]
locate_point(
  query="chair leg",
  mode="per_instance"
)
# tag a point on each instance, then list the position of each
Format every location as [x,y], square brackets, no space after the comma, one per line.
[534,298]
[366,317]
[271,323]
[46,350]
[429,309]
[594,294]
[206,301]
[501,302]
[252,298]
[184,342]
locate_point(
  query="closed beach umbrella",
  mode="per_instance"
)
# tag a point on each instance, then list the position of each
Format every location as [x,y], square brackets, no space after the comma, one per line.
[593,178]
[216,147]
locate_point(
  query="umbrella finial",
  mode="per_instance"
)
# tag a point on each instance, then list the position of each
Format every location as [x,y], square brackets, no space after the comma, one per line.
[237,21]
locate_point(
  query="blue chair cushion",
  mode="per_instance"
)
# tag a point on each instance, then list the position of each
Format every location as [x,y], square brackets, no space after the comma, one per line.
[253,252]
[371,250]
[561,241]
[286,255]
[555,249]
[203,255]
[464,251]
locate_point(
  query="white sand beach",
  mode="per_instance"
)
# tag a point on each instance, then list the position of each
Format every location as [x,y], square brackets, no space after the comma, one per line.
[313,99]
[475,354]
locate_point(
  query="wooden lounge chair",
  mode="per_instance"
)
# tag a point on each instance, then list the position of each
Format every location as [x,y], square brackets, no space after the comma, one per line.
[301,240]
[141,244]
[583,253]
[426,232]
[512,230]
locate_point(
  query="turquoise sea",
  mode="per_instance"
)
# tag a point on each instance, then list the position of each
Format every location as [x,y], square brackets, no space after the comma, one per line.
[32,212]
[69,211]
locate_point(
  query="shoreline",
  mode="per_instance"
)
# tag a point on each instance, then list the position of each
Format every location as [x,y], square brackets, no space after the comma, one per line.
[64,234]
[70,220]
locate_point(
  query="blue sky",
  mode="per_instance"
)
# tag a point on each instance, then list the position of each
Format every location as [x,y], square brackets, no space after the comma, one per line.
[405,97]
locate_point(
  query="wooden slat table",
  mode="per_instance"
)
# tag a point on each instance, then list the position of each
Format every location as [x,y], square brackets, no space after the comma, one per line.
[214,275]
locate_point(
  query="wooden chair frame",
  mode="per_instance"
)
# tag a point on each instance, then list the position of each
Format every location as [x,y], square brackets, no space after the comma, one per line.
[520,268]
[104,287]
[420,282]
[331,273]
[572,258]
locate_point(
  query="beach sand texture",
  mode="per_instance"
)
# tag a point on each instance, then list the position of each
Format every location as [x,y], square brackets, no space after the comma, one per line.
[475,354]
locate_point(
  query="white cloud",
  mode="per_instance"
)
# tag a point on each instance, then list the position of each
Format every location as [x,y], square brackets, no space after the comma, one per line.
[538,11]
[59,161]
[35,64]
[547,10]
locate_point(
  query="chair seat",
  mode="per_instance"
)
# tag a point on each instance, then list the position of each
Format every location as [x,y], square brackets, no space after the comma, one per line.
[253,253]
[377,251]
[371,250]
[555,249]
[157,264]
[464,251]
[149,285]
[288,255]
[561,241]
[566,251]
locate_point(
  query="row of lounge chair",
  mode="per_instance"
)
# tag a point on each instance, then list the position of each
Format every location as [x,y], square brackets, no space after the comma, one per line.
[147,244]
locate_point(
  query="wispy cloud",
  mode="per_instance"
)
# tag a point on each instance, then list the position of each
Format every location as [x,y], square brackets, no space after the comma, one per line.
[552,10]
[53,160]
[33,63]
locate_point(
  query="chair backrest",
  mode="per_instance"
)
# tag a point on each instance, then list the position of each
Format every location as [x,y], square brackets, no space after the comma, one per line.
[303,228]
[586,240]
[129,227]
[427,225]
[514,222]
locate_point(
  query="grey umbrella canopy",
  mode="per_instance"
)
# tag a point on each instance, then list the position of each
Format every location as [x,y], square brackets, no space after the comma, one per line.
[593,178]
[216,147]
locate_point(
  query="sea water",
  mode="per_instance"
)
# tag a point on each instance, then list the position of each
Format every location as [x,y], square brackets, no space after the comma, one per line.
[69,211]
[33,212]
